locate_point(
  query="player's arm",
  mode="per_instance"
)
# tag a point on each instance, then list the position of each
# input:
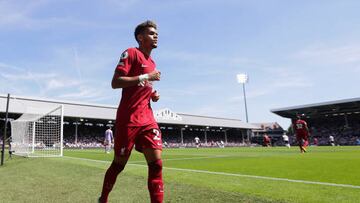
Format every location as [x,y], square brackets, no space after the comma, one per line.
[120,81]
[306,127]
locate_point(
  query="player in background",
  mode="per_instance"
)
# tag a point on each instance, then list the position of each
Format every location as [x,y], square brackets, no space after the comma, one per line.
[135,122]
[316,141]
[109,140]
[331,140]
[222,144]
[266,141]
[197,142]
[286,140]
[302,133]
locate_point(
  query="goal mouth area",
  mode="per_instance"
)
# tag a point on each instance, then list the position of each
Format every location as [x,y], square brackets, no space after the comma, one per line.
[38,134]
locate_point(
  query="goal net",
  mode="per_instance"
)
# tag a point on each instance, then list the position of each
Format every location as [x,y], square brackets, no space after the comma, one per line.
[38,134]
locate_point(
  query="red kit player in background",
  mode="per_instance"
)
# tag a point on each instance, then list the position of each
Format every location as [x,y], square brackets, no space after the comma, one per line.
[302,133]
[135,122]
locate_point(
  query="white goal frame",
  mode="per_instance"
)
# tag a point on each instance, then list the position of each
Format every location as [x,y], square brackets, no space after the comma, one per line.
[38,134]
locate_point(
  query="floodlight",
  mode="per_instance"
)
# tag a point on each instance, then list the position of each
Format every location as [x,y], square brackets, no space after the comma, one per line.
[242,78]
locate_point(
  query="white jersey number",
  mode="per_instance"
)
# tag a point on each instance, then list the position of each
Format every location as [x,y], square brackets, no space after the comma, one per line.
[157,134]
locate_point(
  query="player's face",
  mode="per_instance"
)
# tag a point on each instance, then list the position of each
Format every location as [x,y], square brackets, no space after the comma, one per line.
[149,38]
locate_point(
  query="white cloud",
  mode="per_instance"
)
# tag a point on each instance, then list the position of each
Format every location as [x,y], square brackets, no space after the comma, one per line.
[204,64]
[18,13]
[122,5]
[336,55]
[28,76]
[288,77]
[58,83]
[17,80]
[82,92]
[22,15]
[239,97]
[88,93]
[5,66]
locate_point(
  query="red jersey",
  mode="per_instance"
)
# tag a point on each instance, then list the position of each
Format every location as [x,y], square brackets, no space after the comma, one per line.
[301,127]
[134,108]
[266,139]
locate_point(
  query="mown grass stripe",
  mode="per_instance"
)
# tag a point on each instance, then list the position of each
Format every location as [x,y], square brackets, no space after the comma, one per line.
[234,174]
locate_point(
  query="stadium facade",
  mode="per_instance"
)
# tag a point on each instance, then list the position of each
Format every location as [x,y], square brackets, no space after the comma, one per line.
[84,118]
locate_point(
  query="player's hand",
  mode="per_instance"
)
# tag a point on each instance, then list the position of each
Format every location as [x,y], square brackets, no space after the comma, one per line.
[154,75]
[155,96]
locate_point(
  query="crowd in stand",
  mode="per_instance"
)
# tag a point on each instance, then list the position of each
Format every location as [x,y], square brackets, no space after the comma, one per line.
[344,133]
[82,143]
[219,144]
[87,136]
[94,139]
[349,134]
[318,137]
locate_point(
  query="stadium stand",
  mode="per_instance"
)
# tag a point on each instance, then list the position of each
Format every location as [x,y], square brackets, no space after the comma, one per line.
[340,119]
[85,124]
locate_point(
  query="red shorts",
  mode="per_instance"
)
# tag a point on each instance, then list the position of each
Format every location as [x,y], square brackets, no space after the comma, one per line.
[143,137]
[302,136]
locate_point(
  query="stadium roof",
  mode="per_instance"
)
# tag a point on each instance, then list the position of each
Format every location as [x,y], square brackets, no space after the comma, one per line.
[338,107]
[20,105]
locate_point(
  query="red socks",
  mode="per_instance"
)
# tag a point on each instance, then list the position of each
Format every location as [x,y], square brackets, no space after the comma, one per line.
[155,182]
[305,143]
[109,180]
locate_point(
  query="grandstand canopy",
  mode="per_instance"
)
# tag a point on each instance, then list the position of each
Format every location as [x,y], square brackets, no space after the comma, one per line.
[332,108]
[20,105]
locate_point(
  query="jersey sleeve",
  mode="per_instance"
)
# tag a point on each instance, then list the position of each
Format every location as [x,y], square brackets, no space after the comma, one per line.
[125,62]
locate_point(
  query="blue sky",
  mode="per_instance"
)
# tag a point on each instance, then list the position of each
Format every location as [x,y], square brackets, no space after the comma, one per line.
[295,52]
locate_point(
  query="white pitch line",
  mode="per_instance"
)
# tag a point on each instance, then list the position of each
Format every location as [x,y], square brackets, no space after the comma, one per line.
[236,175]
[180,159]
[176,159]
[264,177]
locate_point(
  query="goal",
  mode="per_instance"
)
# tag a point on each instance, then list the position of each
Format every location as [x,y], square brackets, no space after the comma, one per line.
[38,134]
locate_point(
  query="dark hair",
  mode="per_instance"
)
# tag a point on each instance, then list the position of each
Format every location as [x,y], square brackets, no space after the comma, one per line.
[300,115]
[141,27]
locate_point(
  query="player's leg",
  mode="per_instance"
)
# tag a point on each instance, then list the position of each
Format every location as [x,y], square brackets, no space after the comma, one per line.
[117,165]
[105,143]
[107,148]
[305,143]
[124,142]
[299,140]
[150,144]
[155,181]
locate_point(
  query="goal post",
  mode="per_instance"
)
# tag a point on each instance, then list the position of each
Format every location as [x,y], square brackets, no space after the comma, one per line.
[38,134]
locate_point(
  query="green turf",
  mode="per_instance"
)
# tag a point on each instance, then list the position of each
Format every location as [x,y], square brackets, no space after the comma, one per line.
[191,175]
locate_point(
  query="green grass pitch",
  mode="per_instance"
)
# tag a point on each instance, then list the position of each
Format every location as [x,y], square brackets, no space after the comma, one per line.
[324,174]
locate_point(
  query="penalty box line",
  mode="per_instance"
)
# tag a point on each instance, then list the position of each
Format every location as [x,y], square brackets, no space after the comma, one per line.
[233,174]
